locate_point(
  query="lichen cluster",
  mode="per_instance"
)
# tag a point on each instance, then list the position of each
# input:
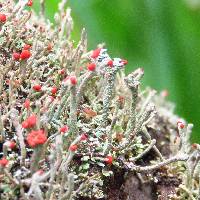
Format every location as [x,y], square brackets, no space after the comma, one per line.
[70,119]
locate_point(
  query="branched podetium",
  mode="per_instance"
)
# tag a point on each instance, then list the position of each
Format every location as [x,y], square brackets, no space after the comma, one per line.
[72,122]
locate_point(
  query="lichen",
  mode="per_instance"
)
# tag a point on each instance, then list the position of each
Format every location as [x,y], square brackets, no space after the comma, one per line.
[71,120]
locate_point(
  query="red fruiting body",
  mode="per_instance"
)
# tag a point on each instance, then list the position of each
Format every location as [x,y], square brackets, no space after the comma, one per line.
[37,87]
[84,137]
[51,98]
[124,62]
[25,124]
[27,104]
[11,144]
[30,3]
[7,81]
[64,129]
[54,90]
[40,171]
[30,122]
[62,71]
[91,66]
[3,162]
[25,54]
[96,53]
[194,146]
[109,160]
[3,18]
[180,125]
[27,47]
[110,63]
[73,147]
[35,138]
[16,56]
[179,122]
[49,47]
[73,80]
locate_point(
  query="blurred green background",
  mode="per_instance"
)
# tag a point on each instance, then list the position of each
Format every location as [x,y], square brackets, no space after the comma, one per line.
[162,36]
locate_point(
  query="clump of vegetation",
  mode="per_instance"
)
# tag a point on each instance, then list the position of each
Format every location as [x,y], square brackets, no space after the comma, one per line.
[74,126]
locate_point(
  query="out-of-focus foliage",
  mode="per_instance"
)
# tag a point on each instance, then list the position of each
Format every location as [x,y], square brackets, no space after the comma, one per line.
[163,36]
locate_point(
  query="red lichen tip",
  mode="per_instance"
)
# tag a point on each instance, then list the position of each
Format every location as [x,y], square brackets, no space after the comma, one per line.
[3,18]
[7,81]
[3,162]
[194,146]
[27,104]
[61,72]
[73,80]
[110,63]
[96,53]
[30,122]
[51,98]
[73,147]
[25,124]
[124,62]
[49,47]
[109,160]
[84,137]
[64,129]
[16,56]
[10,144]
[37,87]
[35,138]
[30,3]
[40,171]
[91,66]
[25,54]
[180,124]
[54,90]
[26,47]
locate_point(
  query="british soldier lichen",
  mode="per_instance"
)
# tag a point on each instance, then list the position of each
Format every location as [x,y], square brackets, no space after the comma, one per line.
[69,118]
